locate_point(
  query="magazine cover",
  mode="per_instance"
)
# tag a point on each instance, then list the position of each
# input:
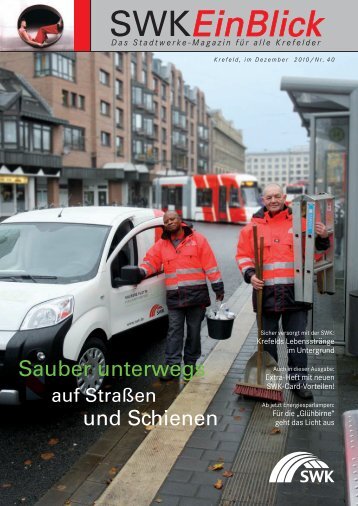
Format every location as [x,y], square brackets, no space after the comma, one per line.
[178,275]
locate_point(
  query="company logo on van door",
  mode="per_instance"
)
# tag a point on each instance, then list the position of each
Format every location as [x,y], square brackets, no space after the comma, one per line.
[156,310]
[316,471]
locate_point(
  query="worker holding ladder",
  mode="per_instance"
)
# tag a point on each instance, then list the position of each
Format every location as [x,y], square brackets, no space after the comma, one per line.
[283,275]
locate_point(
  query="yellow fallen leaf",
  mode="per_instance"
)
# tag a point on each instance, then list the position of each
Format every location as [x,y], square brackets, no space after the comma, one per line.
[158,499]
[113,470]
[149,427]
[242,409]
[53,441]
[28,462]
[216,467]
[219,484]
[47,455]
[237,417]
[228,474]
[275,430]
[61,488]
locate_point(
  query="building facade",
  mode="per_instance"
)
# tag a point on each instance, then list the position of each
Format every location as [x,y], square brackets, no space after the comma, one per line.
[228,150]
[122,118]
[30,147]
[281,167]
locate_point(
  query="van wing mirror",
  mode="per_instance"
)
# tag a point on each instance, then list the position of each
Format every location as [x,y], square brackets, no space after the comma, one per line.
[130,275]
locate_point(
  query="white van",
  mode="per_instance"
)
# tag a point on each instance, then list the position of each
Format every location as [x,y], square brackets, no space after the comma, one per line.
[63,293]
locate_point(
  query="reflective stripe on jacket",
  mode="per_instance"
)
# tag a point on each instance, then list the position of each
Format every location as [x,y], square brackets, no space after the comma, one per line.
[186,269]
[278,261]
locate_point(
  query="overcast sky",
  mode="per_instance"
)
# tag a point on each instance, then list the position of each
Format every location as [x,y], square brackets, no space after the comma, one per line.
[249,93]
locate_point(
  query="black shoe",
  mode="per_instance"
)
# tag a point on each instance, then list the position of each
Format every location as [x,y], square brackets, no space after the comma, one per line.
[304,393]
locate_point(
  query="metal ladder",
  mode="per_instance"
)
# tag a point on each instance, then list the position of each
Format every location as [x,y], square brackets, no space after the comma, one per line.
[305,265]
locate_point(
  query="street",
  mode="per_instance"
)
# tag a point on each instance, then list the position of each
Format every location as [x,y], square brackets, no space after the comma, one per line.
[41,442]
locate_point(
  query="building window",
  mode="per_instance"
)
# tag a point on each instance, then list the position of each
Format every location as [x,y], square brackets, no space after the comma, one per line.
[104,77]
[133,70]
[10,134]
[137,95]
[54,64]
[164,113]
[148,126]
[164,91]
[119,88]
[41,138]
[164,135]
[105,138]
[74,138]
[119,145]
[73,99]
[119,118]
[105,108]
[118,60]
[144,77]
[24,136]
[65,98]
[81,102]
[137,120]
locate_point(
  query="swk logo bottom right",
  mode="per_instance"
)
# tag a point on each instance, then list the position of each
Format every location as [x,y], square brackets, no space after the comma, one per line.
[315,470]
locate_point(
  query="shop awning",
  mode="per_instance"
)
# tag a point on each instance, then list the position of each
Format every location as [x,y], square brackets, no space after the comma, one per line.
[131,172]
[94,174]
[33,172]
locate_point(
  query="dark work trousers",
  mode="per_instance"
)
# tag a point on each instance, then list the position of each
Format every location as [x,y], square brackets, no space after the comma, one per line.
[294,326]
[193,315]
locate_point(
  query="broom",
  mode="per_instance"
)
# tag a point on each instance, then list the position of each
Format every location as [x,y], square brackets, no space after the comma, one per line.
[259,389]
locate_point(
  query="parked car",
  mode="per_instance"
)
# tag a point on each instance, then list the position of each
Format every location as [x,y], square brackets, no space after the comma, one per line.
[63,294]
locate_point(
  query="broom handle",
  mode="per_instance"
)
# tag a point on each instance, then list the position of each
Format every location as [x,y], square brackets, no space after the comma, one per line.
[259,315]
[259,304]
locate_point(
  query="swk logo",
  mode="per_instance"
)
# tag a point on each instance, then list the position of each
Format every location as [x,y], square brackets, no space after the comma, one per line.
[316,471]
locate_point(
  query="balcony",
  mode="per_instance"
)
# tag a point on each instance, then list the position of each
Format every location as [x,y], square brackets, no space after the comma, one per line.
[180,145]
[203,152]
[31,159]
[141,158]
[142,132]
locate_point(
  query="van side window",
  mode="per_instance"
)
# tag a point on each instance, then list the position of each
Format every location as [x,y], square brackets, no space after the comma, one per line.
[127,255]
[121,232]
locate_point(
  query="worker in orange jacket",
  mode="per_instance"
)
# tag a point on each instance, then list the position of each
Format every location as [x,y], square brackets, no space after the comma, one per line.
[274,223]
[188,260]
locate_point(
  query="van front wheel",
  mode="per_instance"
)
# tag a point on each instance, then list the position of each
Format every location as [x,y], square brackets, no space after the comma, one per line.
[93,360]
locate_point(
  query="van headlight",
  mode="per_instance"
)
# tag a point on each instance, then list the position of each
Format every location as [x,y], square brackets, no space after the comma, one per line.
[48,313]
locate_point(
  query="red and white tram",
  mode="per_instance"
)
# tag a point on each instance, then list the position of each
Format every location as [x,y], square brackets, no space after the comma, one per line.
[232,198]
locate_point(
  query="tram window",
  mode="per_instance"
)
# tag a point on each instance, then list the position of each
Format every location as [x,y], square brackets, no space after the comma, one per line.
[172,196]
[234,197]
[204,197]
[250,195]
[164,196]
[178,197]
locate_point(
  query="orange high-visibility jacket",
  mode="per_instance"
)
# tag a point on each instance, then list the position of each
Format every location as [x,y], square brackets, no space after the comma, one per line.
[278,261]
[186,269]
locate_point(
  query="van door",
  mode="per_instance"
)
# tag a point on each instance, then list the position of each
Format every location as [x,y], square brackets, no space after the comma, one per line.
[134,305]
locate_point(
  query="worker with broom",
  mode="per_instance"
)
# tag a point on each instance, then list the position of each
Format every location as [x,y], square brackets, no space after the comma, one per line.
[274,287]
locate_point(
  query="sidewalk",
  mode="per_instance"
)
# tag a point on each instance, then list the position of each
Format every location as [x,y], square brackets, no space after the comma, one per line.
[171,467]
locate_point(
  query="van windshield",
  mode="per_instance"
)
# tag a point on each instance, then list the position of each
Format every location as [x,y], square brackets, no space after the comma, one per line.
[50,252]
